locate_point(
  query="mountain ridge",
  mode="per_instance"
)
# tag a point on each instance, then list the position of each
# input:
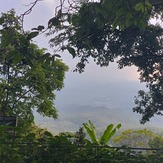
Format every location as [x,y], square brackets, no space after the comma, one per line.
[102,103]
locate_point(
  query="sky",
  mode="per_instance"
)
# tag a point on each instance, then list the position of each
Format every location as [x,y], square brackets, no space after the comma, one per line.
[41,13]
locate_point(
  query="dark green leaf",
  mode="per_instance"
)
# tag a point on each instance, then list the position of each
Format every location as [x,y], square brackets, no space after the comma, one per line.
[45,56]
[72,51]
[48,134]
[57,55]
[32,35]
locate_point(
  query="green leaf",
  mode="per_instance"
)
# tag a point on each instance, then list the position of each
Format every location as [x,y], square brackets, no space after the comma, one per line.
[108,133]
[107,4]
[45,56]
[1,20]
[91,133]
[119,126]
[148,4]
[74,19]
[71,51]
[53,22]
[48,61]
[32,35]
[31,136]
[139,6]
[57,55]
[92,127]
[143,7]
[120,12]
[17,58]
[48,134]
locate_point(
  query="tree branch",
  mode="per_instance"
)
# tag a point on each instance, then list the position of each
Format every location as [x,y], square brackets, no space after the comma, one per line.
[28,11]
[20,97]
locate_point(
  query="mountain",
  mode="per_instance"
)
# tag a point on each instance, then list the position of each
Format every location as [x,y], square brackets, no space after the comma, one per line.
[101,102]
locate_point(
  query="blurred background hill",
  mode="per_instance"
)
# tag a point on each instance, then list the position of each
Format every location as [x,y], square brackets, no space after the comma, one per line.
[101,102]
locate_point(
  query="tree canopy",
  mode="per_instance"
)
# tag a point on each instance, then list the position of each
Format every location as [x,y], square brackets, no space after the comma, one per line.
[28,75]
[116,31]
[135,138]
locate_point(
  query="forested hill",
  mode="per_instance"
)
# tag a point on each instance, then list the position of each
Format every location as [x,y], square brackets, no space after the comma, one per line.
[103,103]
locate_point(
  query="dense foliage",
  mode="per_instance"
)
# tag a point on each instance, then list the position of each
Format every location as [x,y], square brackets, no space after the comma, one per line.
[121,31]
[28,74]
[42,146]
[135,138]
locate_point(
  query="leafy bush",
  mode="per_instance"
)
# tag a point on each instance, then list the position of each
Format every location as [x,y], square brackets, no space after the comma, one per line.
[42,147]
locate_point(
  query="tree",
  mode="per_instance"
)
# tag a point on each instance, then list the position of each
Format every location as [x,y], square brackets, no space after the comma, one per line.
[79,138]
[121,31]
[134,138]
[28,75]
[157,142]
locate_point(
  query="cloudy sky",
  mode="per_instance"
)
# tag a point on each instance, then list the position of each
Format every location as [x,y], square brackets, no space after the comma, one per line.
[42,12]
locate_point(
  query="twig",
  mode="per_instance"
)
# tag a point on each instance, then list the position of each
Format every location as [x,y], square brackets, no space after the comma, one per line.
[28,12]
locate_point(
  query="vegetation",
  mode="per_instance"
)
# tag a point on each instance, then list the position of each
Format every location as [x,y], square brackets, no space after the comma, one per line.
[105,137]
[28,74]
[41,146]
[135,138]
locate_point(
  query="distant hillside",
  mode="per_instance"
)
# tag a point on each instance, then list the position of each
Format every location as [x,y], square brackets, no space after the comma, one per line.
[103,103]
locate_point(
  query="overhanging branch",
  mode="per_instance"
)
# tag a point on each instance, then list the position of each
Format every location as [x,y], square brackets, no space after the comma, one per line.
[28,11]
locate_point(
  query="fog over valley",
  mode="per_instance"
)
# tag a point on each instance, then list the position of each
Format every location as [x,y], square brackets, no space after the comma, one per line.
[102,102]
